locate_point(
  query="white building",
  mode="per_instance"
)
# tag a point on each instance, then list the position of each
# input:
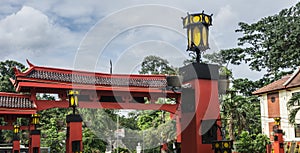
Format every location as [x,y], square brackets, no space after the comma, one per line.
[273,100]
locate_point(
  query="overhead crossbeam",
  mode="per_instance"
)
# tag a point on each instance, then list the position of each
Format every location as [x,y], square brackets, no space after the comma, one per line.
[97,90]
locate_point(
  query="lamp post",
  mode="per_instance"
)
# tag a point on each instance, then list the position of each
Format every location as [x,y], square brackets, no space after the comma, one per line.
[278,145]
[197,32]
[35,135]
[16,140]
[74,125]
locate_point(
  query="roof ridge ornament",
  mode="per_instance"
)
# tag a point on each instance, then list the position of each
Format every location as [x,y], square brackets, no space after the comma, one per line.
[29,63]
[17,71]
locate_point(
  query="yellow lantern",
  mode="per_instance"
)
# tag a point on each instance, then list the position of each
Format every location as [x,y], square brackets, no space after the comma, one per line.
[197,32]
[277,120]
[16,129]
[73,98]
[35,119]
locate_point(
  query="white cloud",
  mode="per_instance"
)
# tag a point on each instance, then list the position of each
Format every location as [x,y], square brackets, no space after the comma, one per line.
[130,59]
[49,32]
[31,34]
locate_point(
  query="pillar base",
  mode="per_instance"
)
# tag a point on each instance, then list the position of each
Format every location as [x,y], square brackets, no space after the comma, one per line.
[278,145]
[200,110]
[16,145]
[74,133]
[35,141]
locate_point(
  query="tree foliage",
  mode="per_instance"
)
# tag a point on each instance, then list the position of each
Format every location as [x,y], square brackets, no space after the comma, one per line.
[7,72]
[240,113]
[53,131]
[156,65]
[293,109]
[91,142]
[272,43]
[254,143]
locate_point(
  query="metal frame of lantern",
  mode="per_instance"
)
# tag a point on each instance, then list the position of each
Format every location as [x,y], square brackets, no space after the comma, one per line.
[35,119]
[73,99]
[16,129]
[197,26]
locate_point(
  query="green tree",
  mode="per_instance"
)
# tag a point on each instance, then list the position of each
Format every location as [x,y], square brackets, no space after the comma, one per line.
[272,43]
[91,142]
[148,119]
[156,65]
[254,143]
[53,131]
[240,113]
[7,72]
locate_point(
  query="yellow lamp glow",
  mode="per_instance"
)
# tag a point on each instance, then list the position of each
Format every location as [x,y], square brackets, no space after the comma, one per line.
[73,98]
[277,120]
[16,129]
[35,119]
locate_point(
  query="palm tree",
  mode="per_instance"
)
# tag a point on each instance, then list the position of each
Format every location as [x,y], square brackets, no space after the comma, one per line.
[238,112]
[233,113]
[293,107]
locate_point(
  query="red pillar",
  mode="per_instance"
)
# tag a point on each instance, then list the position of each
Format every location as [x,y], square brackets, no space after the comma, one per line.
[74,134]
[34,142]
[200,108]
[16,144]
[278,145]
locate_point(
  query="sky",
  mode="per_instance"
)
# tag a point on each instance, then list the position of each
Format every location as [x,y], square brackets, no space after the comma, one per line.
[88,34]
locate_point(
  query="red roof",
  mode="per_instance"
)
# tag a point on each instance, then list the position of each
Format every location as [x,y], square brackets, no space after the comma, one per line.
[288,81]
[69,78]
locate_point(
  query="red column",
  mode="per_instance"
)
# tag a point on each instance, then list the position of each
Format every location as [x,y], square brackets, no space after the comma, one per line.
[16,144]
[200,108]
[34,142]
[278,145]
[74,134]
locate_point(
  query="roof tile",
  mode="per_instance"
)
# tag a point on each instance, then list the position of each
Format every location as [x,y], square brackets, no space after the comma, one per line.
[288,81]
[276,85]
[11,101]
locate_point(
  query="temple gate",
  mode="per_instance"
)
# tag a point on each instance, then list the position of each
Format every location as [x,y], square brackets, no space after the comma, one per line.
[196,107]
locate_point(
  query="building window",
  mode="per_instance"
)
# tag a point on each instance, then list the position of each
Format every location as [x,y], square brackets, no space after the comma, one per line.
[273,99]
[297,102]
[297,130]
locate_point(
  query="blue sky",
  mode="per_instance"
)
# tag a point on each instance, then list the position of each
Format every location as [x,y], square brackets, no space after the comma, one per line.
[87,34]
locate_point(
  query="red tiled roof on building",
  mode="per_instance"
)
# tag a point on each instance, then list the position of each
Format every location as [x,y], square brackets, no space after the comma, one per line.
[288,81]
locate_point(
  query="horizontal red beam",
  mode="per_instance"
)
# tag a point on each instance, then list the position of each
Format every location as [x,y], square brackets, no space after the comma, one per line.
[47,104]
[16,111]
[8,94]
[11,127]
[172,108]
[69,86]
